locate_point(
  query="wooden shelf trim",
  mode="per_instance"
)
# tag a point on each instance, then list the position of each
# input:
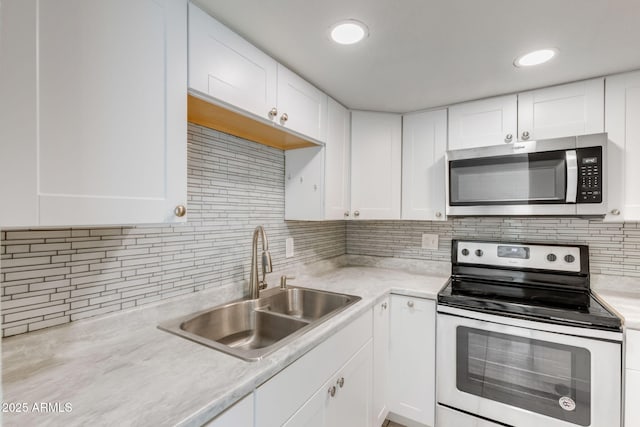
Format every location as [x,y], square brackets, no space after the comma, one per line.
[219,118]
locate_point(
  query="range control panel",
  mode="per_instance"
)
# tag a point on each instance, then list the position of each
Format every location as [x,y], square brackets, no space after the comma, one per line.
[544,257]
[589,175]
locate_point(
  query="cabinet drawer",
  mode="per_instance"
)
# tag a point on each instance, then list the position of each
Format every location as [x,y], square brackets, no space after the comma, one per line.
[282,395]
[632,352]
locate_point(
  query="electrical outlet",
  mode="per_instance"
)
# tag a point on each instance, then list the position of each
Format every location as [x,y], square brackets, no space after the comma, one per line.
[289,248]
[429,241]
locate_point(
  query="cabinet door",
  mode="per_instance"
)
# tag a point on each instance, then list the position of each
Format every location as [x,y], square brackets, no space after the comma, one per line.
[381,361]
[301,107]
[313,412]
[376,153]
[227,67]
[567,110]
[304,184]
[337,161]
[239,415]
[412,344]
[424,142]
[481,123]
[623,151]
[351,405]
[98,135]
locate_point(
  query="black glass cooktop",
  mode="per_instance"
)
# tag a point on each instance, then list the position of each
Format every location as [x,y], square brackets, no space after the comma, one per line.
[568,307]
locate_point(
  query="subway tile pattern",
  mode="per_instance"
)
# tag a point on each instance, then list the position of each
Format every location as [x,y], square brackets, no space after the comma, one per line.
[50,277]
[614,248]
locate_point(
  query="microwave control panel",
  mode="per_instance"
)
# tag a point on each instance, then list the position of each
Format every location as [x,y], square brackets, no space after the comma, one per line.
[589,175]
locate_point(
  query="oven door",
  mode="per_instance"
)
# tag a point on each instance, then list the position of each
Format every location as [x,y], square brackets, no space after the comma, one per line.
[527,377]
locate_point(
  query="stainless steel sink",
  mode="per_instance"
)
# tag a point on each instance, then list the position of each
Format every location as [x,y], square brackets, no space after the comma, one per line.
[251,329]
[304,304]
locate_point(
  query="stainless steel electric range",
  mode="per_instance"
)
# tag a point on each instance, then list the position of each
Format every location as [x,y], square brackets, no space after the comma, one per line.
[523,342]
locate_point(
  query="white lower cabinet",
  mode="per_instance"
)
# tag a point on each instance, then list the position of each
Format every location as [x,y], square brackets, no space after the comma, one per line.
[632,378]
[344,400]
[412,360]
[238,415]
[301,394]
[381,323]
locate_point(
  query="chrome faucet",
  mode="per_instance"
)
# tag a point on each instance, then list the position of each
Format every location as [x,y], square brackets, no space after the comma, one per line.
[254,285]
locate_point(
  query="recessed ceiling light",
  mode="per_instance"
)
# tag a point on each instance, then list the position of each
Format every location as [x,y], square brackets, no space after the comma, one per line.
[349,32]
[536,57]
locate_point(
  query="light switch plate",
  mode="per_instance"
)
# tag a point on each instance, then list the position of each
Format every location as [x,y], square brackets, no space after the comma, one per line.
[289,248]
[429,241]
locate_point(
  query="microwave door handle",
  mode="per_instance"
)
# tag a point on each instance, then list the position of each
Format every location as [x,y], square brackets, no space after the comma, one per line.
[572,176]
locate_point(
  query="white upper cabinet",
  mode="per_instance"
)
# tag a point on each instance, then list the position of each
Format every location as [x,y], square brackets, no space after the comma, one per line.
[301,107]
[567,110]
[552,112]
[376,163]
[227,67]
[485,122]
[622,124]
[93,112]
[337,161]
[424,142]
[317,178]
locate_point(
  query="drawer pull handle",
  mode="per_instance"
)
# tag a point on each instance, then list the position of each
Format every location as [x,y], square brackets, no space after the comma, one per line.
[410,304]
[332,391]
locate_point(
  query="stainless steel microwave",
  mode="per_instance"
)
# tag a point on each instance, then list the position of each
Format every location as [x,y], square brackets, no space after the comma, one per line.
[561,176]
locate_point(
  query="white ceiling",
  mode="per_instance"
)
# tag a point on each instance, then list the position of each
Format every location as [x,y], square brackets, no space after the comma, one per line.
[428,53]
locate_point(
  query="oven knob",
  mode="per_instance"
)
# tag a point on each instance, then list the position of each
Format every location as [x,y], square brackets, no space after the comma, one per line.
[465,252]
[551,257]
[569,258]
[479,252]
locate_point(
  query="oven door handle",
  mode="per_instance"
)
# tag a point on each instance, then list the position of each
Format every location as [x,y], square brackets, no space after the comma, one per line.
[572,176]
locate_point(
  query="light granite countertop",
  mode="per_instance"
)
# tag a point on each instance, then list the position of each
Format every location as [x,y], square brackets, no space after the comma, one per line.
[122,370]
[622,294]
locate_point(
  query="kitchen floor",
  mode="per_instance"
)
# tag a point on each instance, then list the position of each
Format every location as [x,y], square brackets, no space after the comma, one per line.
[389,423]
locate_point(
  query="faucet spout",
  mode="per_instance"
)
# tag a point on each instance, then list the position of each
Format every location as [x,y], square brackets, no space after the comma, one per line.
[267,267]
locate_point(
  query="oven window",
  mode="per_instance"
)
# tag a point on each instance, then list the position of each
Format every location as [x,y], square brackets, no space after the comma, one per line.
[542,377]
[534,178]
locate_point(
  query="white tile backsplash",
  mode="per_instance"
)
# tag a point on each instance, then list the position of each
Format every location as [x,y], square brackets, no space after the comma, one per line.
[51,277]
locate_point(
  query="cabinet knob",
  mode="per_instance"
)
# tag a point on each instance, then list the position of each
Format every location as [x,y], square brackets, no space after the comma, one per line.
[284,118]
[410,304]
[273,112]
[615,212]
[525,135]
[346,214]
[340,382]
[180,211]
[332,391]
[356,213]
[438,214]
[384,305]
[508,138]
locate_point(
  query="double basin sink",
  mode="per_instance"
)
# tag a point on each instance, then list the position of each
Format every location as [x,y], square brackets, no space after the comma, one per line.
[251,329]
